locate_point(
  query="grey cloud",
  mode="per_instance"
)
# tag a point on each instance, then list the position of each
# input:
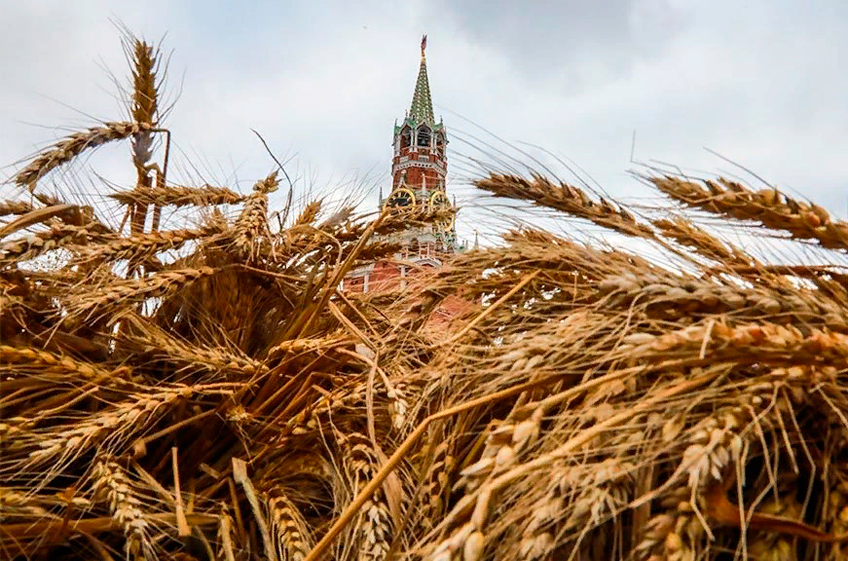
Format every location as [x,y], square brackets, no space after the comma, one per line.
[571,40]
[761,82]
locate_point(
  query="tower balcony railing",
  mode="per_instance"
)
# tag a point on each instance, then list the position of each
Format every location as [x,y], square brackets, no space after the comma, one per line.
[406,164]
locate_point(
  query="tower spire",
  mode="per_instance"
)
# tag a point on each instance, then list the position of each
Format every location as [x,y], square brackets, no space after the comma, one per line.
[422,105]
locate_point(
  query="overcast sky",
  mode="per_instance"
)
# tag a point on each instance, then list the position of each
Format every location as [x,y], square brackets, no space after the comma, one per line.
[762,82]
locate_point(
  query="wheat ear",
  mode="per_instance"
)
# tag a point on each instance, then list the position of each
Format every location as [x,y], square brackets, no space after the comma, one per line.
[73,145]
[565,198]
[111,481]
[178,196]
[14,207]
[770,207]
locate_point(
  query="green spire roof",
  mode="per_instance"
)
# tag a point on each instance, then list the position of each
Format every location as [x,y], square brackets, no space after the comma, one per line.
[422,104]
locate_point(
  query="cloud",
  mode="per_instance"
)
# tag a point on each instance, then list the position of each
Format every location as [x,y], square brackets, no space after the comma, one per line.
[760,82]
[571,40]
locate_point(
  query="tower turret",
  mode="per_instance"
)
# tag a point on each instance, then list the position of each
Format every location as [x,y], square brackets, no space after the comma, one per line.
[419,166]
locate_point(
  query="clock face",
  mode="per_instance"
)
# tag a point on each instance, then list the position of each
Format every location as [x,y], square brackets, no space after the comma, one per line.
[439,202]
[401,198]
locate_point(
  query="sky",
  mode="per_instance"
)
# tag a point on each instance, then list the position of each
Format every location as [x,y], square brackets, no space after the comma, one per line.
[759,82]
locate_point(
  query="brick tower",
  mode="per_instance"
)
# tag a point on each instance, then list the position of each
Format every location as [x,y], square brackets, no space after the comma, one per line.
[419,168]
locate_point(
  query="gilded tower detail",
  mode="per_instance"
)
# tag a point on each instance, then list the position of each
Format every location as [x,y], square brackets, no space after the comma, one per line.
[419,169]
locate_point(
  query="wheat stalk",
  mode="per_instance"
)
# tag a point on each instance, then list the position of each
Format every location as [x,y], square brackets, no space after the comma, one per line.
[58,236]
[565,198]
[291,532]
[33,357]
[773,209]
[119,422]
[178,196]
[252,224]
[687,234]
[373,533]
[676,297]
[155,342]
[14,207]
[111,481]
[226,551]
[126,293]
[72,146]
[144,109]
[786,344]
[308,214]
[145,245]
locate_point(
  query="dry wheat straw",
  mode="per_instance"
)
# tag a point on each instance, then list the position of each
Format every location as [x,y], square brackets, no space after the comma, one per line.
[178,196]
[14,207]
[770,207]
[58,236]
[589,404]
[116,423]
[252,224]
[48,361]
[565,198]
[226,550]
[73,145]
[148,244]
[156,343]
[686,297]
[126,508]
[291,532]
[783,344]
[374,531]
[126,293]
[308,214]
[687,234]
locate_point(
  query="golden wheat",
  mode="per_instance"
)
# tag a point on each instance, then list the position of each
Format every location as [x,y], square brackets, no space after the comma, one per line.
[202,388]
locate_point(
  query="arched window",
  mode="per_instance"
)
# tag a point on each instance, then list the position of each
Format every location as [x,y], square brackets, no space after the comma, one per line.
[440,143]
[405,138]
[424,137]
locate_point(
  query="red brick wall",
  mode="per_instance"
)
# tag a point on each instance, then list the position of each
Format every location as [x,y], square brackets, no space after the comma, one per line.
[386,276]
[415,175]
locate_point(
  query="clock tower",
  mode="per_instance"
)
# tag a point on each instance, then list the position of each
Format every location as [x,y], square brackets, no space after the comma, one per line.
[419,168]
